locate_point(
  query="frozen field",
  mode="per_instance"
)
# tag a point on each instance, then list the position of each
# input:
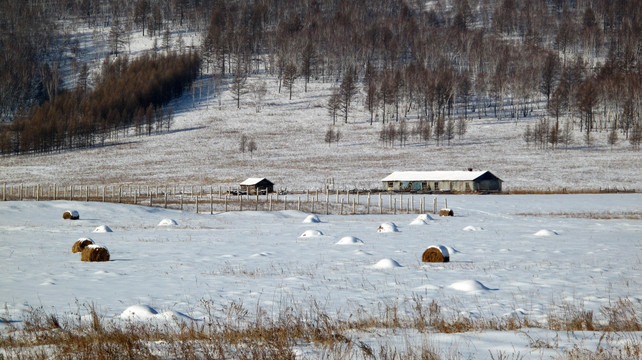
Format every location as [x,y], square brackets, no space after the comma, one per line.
[531,256]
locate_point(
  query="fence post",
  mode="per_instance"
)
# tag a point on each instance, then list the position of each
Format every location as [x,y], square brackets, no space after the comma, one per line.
[151,199]
[354,206]
[197,203]
[445,203]
[380,204]
[211,203]
[55,191]
[240,202]
[307,195]
[337,196]
[341,208]
[71,192]
[226,202]
[87,193]
[270,202]
[181,197]
[285,202]
[368,204]
[298,203]
[38,192]
[434,205]
[4,192]
[256,208]
[327,205]
[395,207]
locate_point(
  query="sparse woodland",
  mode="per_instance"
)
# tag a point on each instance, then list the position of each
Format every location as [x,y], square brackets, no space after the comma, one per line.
[435,64]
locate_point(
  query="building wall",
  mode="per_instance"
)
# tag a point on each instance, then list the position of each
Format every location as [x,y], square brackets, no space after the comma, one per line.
[455,185]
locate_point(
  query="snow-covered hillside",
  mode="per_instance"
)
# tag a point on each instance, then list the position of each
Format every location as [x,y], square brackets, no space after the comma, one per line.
[203,149]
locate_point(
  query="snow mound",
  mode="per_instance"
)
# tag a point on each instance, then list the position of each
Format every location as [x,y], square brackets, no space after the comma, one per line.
[386,264]
[312,219]
[545,232]
[103,229]
[349,240]
[387,227]
[472,228]
[469,286]
[418,221]
[312,233]
[146,312]
[424,217]
[168,222]
[139,312]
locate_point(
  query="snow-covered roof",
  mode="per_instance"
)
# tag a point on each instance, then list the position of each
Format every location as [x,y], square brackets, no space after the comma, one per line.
[252,181]
[434,175]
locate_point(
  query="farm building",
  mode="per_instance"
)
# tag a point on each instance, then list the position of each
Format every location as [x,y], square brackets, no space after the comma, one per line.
[442,181]
[253,186]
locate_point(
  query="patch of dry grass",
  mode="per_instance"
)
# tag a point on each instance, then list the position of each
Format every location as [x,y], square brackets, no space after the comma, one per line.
[239,334]
[605,215]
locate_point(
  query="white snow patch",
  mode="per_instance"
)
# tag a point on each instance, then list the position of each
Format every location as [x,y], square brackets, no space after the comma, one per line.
[386,264]
[473,228]
[469,286]
[350,240]
[387,227]
[168,222]
[139,312]
[545,232]
[418,221]
[103,229]
[311,233]
[312,219]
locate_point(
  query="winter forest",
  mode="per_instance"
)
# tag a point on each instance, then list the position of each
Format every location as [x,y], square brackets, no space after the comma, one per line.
[439,63]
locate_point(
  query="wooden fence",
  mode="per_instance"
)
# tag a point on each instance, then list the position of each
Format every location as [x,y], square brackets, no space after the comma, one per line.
[203,199]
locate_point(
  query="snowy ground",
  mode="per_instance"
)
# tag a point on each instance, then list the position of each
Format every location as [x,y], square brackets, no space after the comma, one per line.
[502,264]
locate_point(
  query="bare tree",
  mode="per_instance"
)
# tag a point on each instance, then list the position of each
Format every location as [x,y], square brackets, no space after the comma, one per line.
[333,106]
[243,143]
[239,85]
[612,138]
[347,90]
[251,147]
[259,90]
[461,127]
[289,75]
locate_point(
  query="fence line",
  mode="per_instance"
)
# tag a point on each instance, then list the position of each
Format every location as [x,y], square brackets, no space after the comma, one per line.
[202,199]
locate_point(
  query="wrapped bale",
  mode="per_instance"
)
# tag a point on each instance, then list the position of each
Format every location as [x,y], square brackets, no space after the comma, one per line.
[446,212]
[94,252]
[81,244]
[71,215]
[436,254]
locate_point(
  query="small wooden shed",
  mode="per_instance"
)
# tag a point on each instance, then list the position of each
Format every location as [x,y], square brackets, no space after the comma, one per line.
[255,186]
[442,181]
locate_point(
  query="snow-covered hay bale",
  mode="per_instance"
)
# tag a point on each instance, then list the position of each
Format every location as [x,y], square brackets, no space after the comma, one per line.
[311,233]
[418,222]
[71,215]
[387,227]
[545,232]
[386,264]
[168,222]
[103,229]
[349,240]
[446,212]
[81,244]
[312,219]
[94,252]
[436,254]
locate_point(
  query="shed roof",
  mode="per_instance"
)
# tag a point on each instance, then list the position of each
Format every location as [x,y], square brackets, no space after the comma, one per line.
[254,181]
[435,175]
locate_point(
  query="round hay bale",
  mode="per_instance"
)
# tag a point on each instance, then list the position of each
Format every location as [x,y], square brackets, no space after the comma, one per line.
[387,227]
[70,215]
[446,212]
[94,253]
[81,244]
[435,254]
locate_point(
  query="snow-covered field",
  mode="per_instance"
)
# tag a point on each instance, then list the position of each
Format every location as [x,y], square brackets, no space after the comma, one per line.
[524,256]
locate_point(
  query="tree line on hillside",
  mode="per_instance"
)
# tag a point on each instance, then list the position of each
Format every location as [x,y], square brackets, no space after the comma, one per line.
[130,94]
[429,60]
